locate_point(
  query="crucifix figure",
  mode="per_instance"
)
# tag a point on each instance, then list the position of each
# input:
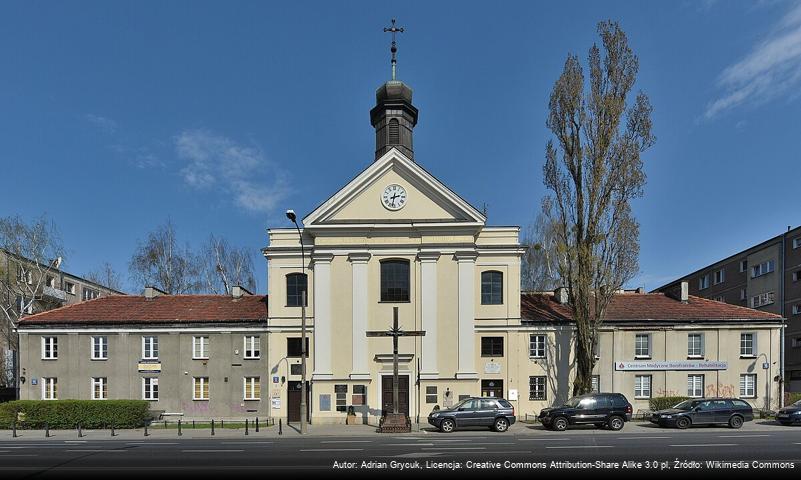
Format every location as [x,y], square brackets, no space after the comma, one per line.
[394,49]
[396,421]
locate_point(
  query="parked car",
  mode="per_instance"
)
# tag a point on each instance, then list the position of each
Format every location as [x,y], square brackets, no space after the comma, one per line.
[790,414]
[705,411]
[611,410]
[495,413]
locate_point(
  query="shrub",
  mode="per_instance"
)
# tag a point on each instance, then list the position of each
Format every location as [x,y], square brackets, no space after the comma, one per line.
[792,398]
[68,413]
[661,403]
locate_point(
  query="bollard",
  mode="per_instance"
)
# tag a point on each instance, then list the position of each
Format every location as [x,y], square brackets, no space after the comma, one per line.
[222,423]
[193,424]
[112,430]
[47,430]
[280,430]
[257,424]
[165,424]
[179,427]
[14,428]
[246,427]
[146,434]
[80,433]
[212,426]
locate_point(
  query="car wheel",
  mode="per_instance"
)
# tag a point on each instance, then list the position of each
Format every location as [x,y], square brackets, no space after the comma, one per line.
[447,425]
[501,425]
[736,421]
[682,422]
[615,423]
[559,424]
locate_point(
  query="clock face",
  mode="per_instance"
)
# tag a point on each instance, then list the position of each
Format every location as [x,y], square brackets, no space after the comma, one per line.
[394,197]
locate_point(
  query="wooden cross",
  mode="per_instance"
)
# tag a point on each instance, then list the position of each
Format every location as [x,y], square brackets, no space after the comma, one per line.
[393,30]
[395,332]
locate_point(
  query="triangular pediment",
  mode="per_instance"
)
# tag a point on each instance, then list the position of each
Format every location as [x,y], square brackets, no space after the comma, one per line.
[428,201]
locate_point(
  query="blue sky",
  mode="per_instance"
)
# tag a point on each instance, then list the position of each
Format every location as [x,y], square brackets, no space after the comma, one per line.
[220,115]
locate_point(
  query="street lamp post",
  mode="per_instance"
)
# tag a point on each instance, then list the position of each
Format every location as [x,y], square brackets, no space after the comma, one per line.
[290,214]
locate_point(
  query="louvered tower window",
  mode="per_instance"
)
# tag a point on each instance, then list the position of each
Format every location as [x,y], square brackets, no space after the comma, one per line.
[394,132]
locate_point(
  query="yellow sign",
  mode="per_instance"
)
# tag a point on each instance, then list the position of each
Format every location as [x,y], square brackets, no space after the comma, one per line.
[151,367]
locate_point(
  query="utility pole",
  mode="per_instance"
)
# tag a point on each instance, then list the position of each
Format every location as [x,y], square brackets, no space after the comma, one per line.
[290,214]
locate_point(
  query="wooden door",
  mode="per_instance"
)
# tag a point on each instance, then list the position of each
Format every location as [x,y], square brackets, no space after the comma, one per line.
[293,401]
[403,393]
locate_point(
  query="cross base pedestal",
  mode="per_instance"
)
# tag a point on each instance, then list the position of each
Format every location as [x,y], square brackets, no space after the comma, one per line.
[395,423]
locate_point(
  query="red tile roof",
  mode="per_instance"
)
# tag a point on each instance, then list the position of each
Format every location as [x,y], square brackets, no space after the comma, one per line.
[127,309]
[655,307]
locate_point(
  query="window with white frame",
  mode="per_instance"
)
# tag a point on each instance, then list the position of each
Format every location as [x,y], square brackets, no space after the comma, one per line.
[743,265]
[150,388]
[200,348]
[99,348]
[252,346]
[49,388]
[797,309]
[150,348]
[99,388]
[49,348]
[536,388]
[763,299]
[252,388]
[642,345]
[24,305]
[695,345]
[748,385]
[742,294]
[720,299]
[642,386]
[90,293]
[762,269]
[796,342]
[719,276]
[596,384]
[748,344]
[797,242]
[69,287]
[797,275]
[703,282]
[200,388]
[695,386]
[536,346]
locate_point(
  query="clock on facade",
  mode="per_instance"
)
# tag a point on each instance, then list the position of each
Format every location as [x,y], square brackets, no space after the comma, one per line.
[394,197]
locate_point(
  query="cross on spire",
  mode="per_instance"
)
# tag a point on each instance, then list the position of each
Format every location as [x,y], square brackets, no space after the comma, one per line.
[394,49]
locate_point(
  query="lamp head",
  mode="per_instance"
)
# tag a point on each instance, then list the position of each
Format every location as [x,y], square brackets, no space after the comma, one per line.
[290,214]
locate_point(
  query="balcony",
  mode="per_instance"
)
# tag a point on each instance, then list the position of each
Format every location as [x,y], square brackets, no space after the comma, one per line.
[54,293]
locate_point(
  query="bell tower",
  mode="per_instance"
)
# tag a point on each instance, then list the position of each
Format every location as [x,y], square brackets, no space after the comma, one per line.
[393,117]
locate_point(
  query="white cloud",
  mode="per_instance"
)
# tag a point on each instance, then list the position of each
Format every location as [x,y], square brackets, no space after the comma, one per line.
[104,124]
[770,70]
[217,162]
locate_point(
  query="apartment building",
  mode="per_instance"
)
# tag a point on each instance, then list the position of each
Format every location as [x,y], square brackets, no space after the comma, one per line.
[766,277]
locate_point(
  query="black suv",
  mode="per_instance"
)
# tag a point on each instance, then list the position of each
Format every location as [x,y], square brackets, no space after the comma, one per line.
[705,411]
[611,410]
[496,413]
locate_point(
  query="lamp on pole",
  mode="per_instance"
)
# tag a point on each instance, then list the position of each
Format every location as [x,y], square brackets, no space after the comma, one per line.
[290,214]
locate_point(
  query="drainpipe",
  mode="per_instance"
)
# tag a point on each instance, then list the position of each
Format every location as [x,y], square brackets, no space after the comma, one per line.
[781,340]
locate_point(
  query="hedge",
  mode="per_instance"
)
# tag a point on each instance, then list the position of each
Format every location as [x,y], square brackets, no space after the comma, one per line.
[68,413]
[662,403]
[792,398]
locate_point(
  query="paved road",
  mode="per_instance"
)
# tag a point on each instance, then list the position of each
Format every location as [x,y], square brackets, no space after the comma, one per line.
[523,450]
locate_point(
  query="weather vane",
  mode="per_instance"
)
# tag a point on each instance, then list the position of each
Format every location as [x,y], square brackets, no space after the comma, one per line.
[393,29]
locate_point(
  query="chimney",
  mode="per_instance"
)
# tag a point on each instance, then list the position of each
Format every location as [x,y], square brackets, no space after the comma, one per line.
[561,295]
[640,290]
[153,292]
[679,292]
[238,291]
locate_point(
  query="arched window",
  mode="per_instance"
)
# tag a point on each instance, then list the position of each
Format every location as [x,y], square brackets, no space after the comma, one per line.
[296,284]
[395,281]
[394,132]
[491,288]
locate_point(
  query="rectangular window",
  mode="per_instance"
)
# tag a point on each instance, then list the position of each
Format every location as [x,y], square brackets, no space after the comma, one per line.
[797,309]
[536,388]
[763,299]
[100,348]
[695,386]
[596,384]
[69,287]
[491,288]
[703,282]
[293,347]
[99,388]
[796,342]
[150,388]
[341,392]
[50,388]
[200,388]
[90,294]
[491,346]
[252,388]
[295,369]
[797,242]
[200,348]
[642,386]
[748,344]
[642,345]
[743,265]
[695,345]
[395,281]
[360,395]
[536,346]
[49,348]
[150,348]
[762,269]
[50,281]
[797,275]
[296,286]
[742,294]
[720,299]
[431,394]
[748,385]
[252,346]
[720,276]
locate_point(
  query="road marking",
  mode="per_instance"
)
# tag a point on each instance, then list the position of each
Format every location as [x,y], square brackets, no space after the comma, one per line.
[705,445]
[210,451]
[416,455]
[332,450]
[740,436]
[18,455]
[543,439]
[247,443]
[347,441]
[454,448]
[97,450]
[151,443]
[75,441]
[638,438]
[583,446]
[410,444]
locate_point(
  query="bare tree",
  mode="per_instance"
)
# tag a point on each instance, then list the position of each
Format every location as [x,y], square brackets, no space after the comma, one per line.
[224,266]
[161,263]
[594,170]
[30,255]
[106,276]
[539,266]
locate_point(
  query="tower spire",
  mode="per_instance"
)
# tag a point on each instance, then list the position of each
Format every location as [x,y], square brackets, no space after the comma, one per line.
[394,48]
